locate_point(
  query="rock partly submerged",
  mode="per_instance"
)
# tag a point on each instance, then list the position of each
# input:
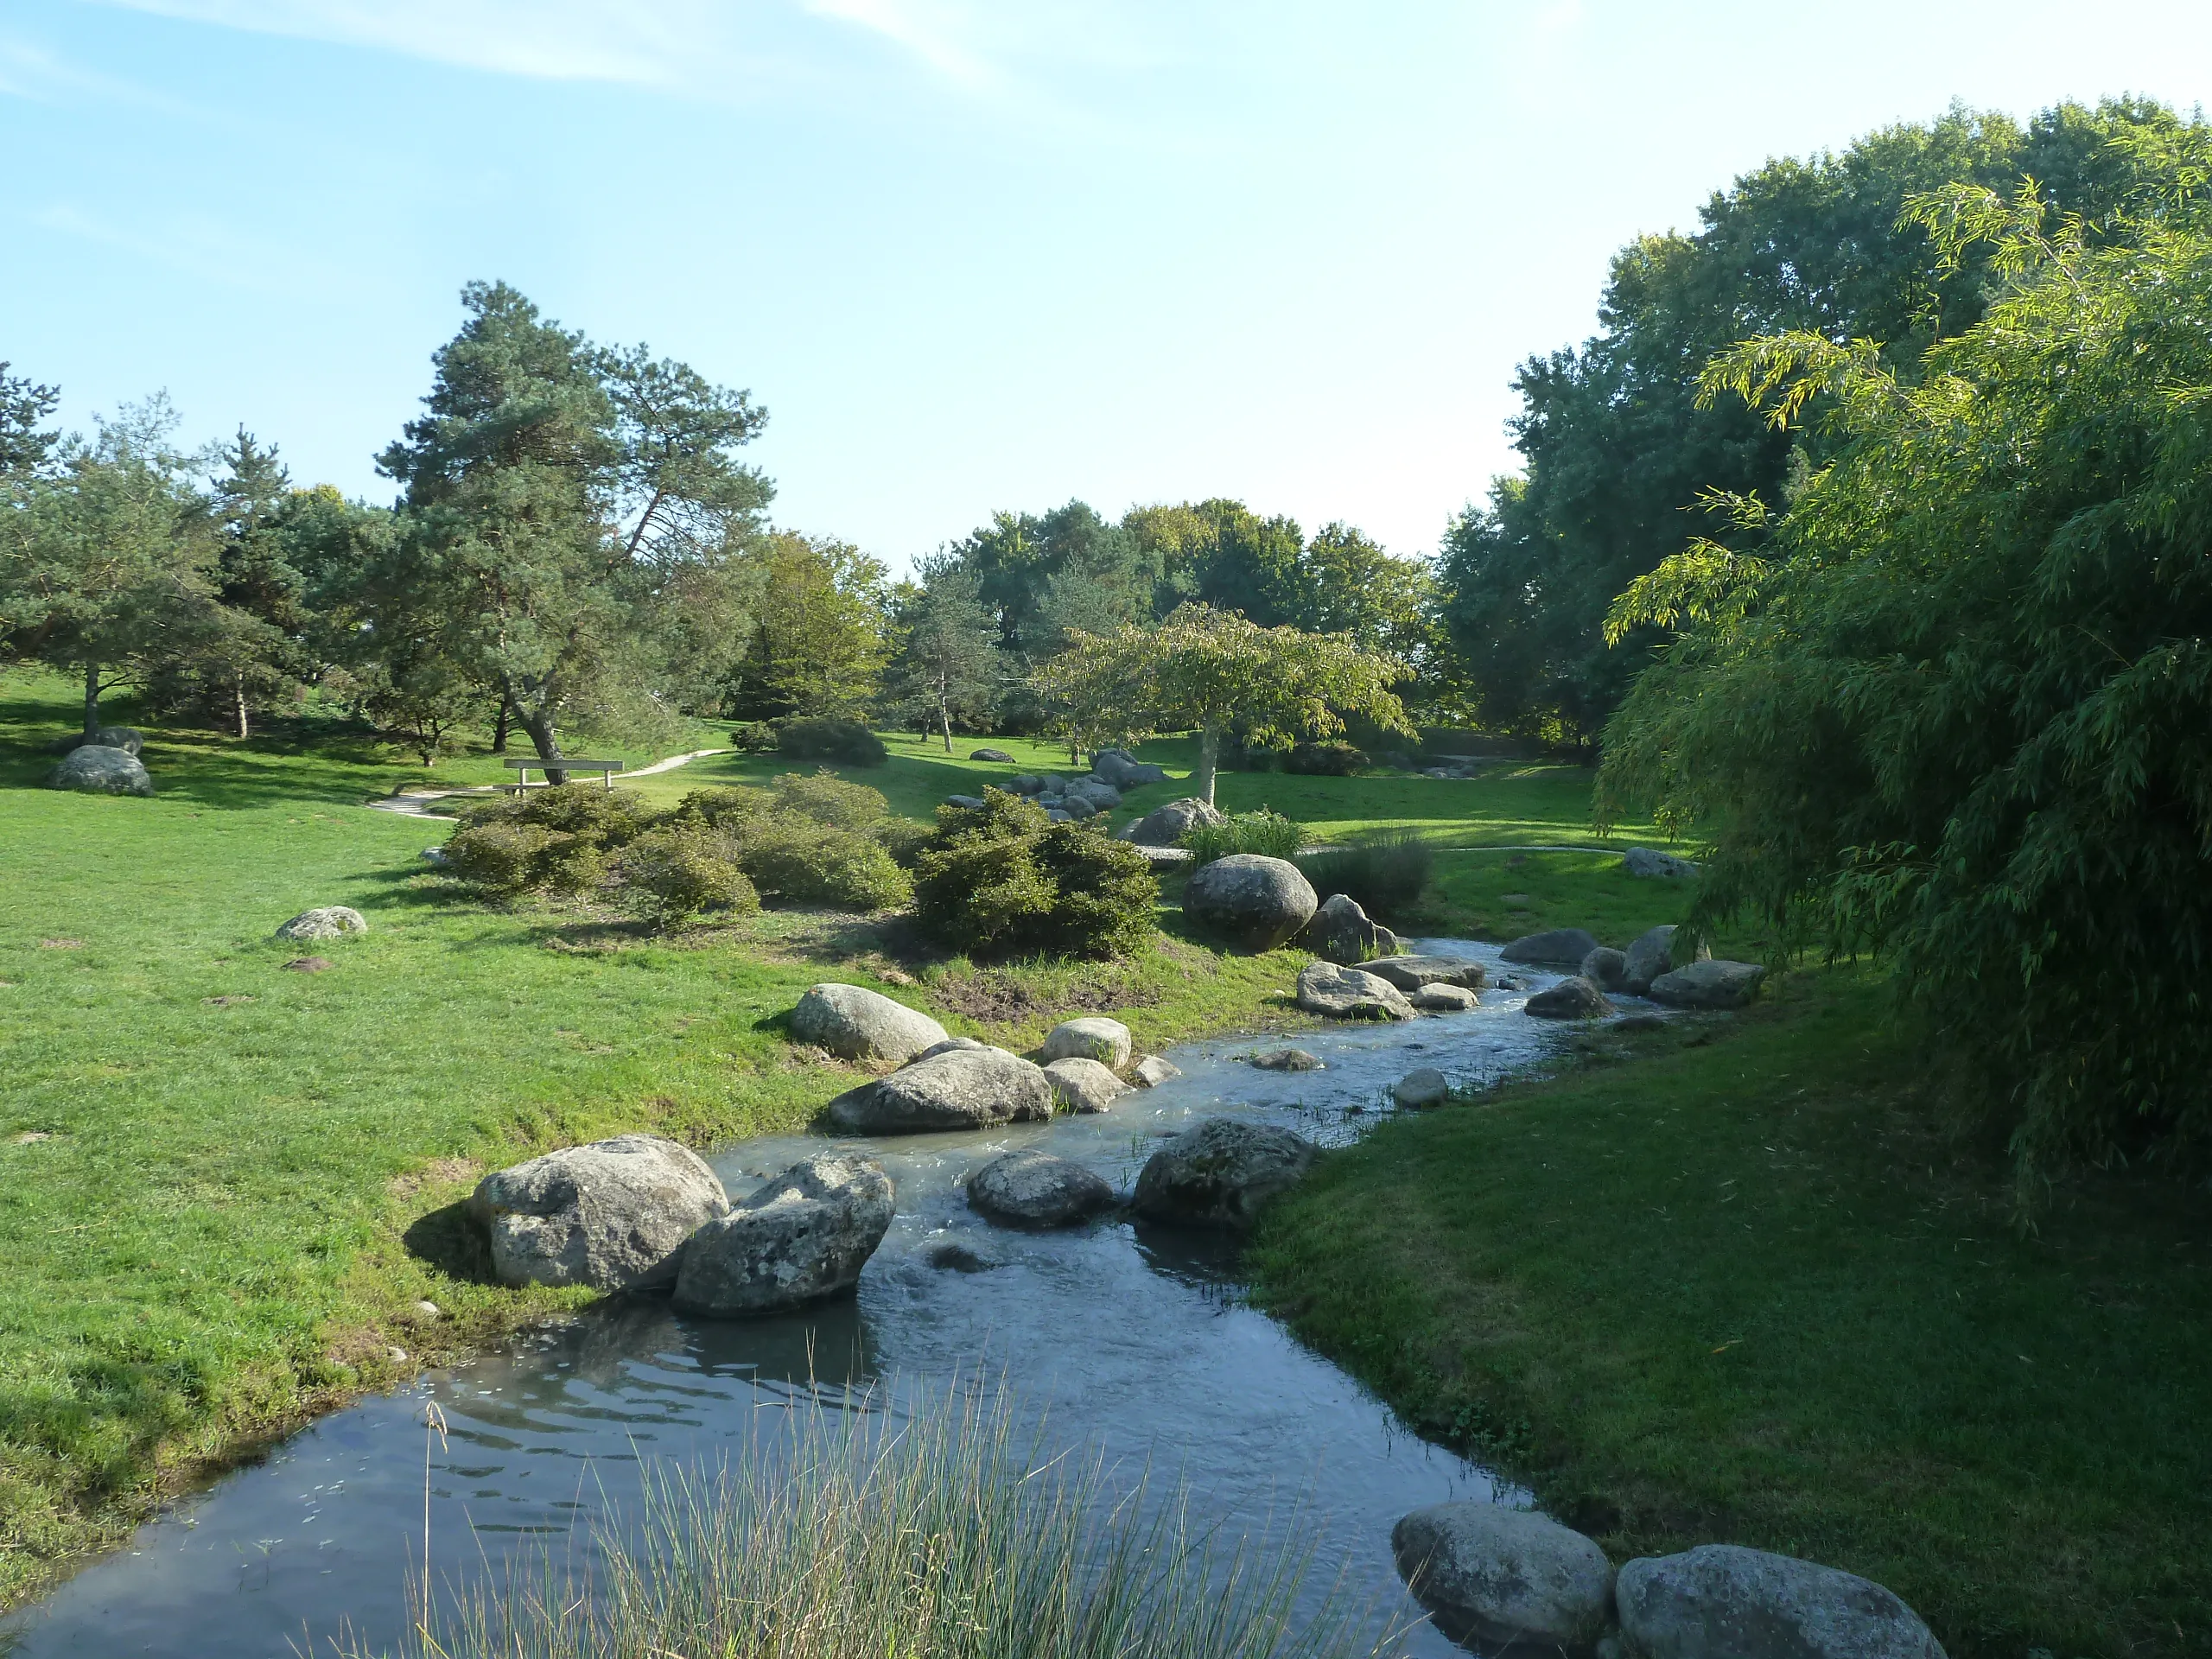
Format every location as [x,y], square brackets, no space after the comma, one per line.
[1411,974]
[1349,994]
[1342,931]
[1572,998]
[1287,1059]
[1092,1037]
[1421,1089]
[1152,1070]
[612,1215]
[1081,1085]
[1503,1580]
[957,1089]
[1027,1188]
[1562,947]
[805,1235]
[1221,1173]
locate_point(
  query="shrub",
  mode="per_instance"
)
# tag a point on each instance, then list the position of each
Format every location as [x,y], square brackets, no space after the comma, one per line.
[672,875]
[500,859]
[1326,760]
[603,817]
[827,798]
[1384,871]
[754,737]
[902,838]
[846,740]
[795,858]
[1266,832]
[570,863]
[1003,878]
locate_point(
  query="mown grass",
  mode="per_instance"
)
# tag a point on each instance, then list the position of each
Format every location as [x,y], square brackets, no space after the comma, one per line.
[224,1184]
[1752,1292]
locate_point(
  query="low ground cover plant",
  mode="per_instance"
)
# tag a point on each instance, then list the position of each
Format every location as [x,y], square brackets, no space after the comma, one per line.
[1004,879]
[1265,832]
[1385,871]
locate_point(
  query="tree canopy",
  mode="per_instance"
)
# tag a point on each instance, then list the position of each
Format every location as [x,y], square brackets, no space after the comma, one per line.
[1952,701]
[1205,670]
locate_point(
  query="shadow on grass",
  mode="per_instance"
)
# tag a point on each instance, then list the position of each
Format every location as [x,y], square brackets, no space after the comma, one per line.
[450,1241]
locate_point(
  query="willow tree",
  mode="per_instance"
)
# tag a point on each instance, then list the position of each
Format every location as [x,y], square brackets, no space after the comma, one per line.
[1954,705]
[1208,671]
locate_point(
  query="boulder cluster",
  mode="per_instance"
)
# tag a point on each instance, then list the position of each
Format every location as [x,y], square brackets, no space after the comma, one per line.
[1495,1579]
[1646,968]
[1112,771]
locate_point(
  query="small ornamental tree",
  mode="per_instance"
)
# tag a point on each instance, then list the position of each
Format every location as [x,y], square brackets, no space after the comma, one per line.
[1205,671]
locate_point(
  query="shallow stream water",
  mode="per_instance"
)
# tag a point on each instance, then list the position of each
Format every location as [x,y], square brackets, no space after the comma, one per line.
[1127,1339]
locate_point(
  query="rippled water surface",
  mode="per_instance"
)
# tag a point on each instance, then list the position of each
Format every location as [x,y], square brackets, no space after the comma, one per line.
[1125,1336]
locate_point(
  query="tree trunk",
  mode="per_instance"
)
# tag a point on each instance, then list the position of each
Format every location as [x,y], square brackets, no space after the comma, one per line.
[499,728]
[92,701]
[539,725]
[238,691]
[1209,760]
[945,713]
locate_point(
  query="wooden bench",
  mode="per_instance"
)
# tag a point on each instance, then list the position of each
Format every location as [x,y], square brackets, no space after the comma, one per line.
[523,768]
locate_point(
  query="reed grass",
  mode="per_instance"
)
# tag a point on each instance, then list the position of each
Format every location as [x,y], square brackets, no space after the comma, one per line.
[1265,832]
[939,1532]
[1386,871]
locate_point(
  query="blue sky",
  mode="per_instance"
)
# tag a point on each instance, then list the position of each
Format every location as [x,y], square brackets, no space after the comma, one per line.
[970,254]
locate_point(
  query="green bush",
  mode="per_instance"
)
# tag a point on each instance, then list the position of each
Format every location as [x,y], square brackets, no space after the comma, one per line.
[605,817]
[1384,871]
[499,859]
[796,859]
[827,798]
[903,838]
[1004,879]
[1266,832]
[1326,760]
[673,875]
[846,740]
[754,737]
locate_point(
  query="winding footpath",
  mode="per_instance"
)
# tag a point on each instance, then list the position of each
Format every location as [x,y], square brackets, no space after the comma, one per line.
[415,802]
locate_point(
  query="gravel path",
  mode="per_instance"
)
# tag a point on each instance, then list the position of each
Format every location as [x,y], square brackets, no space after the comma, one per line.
[415,803]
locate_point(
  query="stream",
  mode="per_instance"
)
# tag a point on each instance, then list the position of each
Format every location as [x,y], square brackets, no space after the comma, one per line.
[1125,1337]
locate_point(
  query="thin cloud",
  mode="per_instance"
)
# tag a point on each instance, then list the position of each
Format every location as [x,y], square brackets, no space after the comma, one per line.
[926,31]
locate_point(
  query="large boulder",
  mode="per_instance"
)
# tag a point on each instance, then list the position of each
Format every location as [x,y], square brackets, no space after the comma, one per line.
[329,922]
[1650,861]
[1257,901]
[1220,1173]
[1499,1579]
[612,1215]
[1083,1085]
[966,803]
[1649,955]
[1606,968]
[1573,998]
[999,757]
[1106,1041]
[1722,1601]
[1411,974]
[1341,932]
[1562,947]
[857,1024]
[1708,984]
[805,1235]
[1124,771]
[959,1089]
[1088,796]
[94,770]
[1029,1188]
[1348,993]
[1164,826]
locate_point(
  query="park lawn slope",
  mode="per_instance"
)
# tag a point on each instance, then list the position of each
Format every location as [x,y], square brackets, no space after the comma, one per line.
[1742,1292]
[212,1167]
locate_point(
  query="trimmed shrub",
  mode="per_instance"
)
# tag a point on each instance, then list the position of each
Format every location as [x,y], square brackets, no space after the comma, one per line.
[754,737]
[827,798]
[1266,832]
[673,875]
[1326,760]
[796,859]
[570,863]
[605,817]
[903,838]
[499,859]
[845,741]
[1385,871]
[1004,879]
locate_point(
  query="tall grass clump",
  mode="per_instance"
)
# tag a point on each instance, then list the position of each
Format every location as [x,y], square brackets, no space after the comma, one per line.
[1266,832]
[855,1535]
[1385,871]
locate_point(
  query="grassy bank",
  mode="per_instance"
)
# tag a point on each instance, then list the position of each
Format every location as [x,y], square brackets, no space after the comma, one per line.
[213,1166]
[1744,1292]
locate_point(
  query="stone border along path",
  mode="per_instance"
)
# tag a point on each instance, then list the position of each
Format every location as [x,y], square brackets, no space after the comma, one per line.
[411,805]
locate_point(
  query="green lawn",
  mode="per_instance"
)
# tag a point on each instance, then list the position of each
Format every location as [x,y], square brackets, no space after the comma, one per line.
[1744,1292]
